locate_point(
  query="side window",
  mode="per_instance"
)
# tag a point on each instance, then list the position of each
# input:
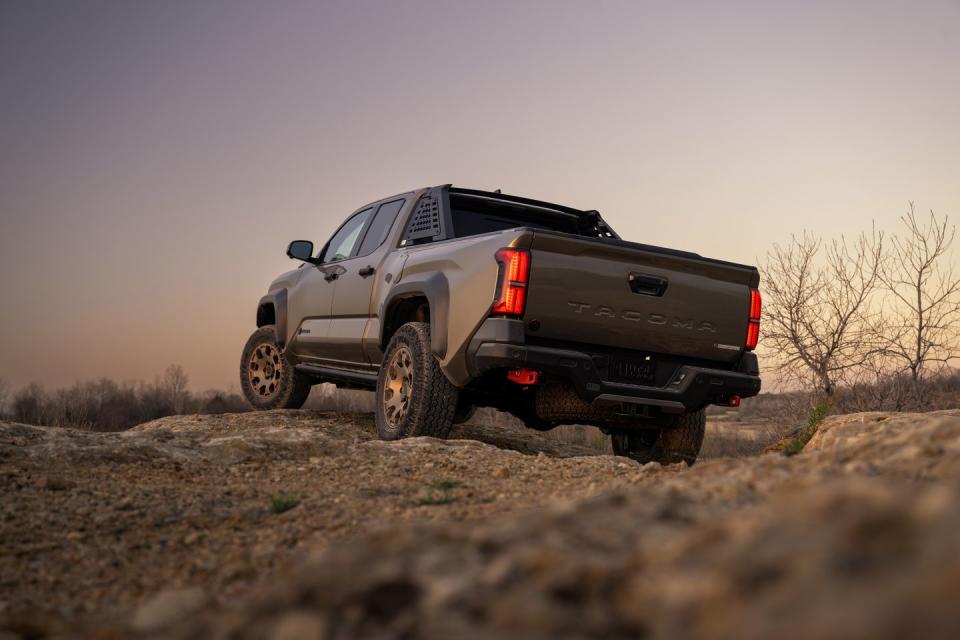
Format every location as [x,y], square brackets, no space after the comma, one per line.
[344,241]
[380,227]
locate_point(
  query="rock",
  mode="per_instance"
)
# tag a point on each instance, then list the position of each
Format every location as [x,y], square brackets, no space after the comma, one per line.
[167,607]
[231,450]
[300,625]
[55,483]
[864,431]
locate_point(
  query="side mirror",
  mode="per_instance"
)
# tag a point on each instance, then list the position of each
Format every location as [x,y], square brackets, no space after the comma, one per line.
[301,250]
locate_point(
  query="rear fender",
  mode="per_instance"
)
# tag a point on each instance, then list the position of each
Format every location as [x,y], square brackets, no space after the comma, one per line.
[435,288]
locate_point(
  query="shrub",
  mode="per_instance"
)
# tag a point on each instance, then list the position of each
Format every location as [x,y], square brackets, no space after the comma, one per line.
[105,405]
[281,504]
[438,493]
[799,441]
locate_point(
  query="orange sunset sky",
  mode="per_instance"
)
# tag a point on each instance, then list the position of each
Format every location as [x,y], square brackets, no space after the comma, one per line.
[156,157]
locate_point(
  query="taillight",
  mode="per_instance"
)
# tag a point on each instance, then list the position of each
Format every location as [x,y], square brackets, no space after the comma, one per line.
[515,270]
[753,326]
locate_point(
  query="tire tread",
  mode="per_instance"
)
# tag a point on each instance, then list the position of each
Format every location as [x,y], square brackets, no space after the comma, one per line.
[678,443]
[434,400]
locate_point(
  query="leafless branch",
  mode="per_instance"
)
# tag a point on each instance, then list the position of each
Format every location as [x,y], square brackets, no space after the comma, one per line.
[818,320]
[924,292]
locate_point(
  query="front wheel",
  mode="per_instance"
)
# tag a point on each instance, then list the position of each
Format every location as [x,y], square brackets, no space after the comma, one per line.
[267,378]
[680,442]
[413,396]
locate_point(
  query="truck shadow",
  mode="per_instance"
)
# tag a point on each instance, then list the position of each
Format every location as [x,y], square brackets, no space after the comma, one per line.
[563,442]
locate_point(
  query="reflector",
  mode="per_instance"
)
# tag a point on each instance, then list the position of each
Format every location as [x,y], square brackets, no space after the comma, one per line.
[523,376]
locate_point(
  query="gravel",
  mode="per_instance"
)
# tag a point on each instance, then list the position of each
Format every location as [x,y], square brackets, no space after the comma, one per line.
[169,530]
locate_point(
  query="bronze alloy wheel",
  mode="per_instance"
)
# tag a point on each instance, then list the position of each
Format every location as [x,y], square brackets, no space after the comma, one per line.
[398,386]
[264,370]
[268,380]
[413,397]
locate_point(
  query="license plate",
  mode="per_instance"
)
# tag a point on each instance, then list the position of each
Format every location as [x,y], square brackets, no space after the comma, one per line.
[630,370]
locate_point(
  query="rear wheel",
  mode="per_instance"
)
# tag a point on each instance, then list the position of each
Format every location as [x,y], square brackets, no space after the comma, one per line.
[413,396]
[267,379]
[678,443]
[464,412]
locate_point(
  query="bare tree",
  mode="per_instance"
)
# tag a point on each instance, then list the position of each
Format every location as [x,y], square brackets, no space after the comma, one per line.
[921,327]
[175,388]
[29,405]
[817,318]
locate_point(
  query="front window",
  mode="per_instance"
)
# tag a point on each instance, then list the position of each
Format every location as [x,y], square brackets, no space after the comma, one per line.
[344,241]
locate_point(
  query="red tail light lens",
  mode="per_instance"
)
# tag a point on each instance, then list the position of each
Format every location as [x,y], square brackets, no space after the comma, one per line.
[515,270]
[753,335]
[753,326]
[755,305]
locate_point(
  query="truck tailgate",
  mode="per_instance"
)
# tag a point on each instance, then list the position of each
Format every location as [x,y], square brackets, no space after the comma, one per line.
[637,297]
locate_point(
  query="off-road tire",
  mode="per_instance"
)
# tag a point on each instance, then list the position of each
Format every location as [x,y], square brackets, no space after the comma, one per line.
[557,402]
[678,443]
[464,412]
[291,387]
[432,398]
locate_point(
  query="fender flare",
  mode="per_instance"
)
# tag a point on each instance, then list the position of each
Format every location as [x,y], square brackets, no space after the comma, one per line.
[278,300]
[436,290]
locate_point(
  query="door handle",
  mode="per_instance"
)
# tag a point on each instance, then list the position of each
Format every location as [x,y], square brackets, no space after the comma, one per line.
[367,271]
[647,285]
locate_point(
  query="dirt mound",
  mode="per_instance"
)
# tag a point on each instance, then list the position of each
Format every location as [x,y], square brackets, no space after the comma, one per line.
[94,524]
[190,527]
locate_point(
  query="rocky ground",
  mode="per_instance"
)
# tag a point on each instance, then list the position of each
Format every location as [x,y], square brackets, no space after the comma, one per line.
[301,524]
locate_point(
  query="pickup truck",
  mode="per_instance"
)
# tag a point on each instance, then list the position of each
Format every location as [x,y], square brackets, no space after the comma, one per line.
[446,299]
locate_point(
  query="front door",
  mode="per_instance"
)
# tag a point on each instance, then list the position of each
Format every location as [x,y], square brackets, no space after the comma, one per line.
[351,313]
[311,299]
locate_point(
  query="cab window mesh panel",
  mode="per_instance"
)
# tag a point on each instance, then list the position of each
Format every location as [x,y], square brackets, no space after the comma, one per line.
[425,224]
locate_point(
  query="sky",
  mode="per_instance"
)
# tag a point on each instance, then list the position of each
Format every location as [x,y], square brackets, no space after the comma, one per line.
[156,157]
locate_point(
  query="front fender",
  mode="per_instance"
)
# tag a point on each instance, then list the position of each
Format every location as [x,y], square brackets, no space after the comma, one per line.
[278,300]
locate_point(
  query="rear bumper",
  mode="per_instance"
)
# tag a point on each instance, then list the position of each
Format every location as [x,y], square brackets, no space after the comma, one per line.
[689,389]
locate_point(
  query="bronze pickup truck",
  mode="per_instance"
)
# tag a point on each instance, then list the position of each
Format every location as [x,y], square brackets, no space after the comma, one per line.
[446,299]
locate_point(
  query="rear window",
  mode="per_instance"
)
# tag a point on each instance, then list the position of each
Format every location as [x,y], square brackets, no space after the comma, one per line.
[474,215]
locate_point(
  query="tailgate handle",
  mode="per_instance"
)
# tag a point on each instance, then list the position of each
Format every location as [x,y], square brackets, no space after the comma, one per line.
[647,285]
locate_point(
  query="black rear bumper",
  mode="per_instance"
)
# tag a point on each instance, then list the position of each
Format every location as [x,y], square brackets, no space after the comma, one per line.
[689,388]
